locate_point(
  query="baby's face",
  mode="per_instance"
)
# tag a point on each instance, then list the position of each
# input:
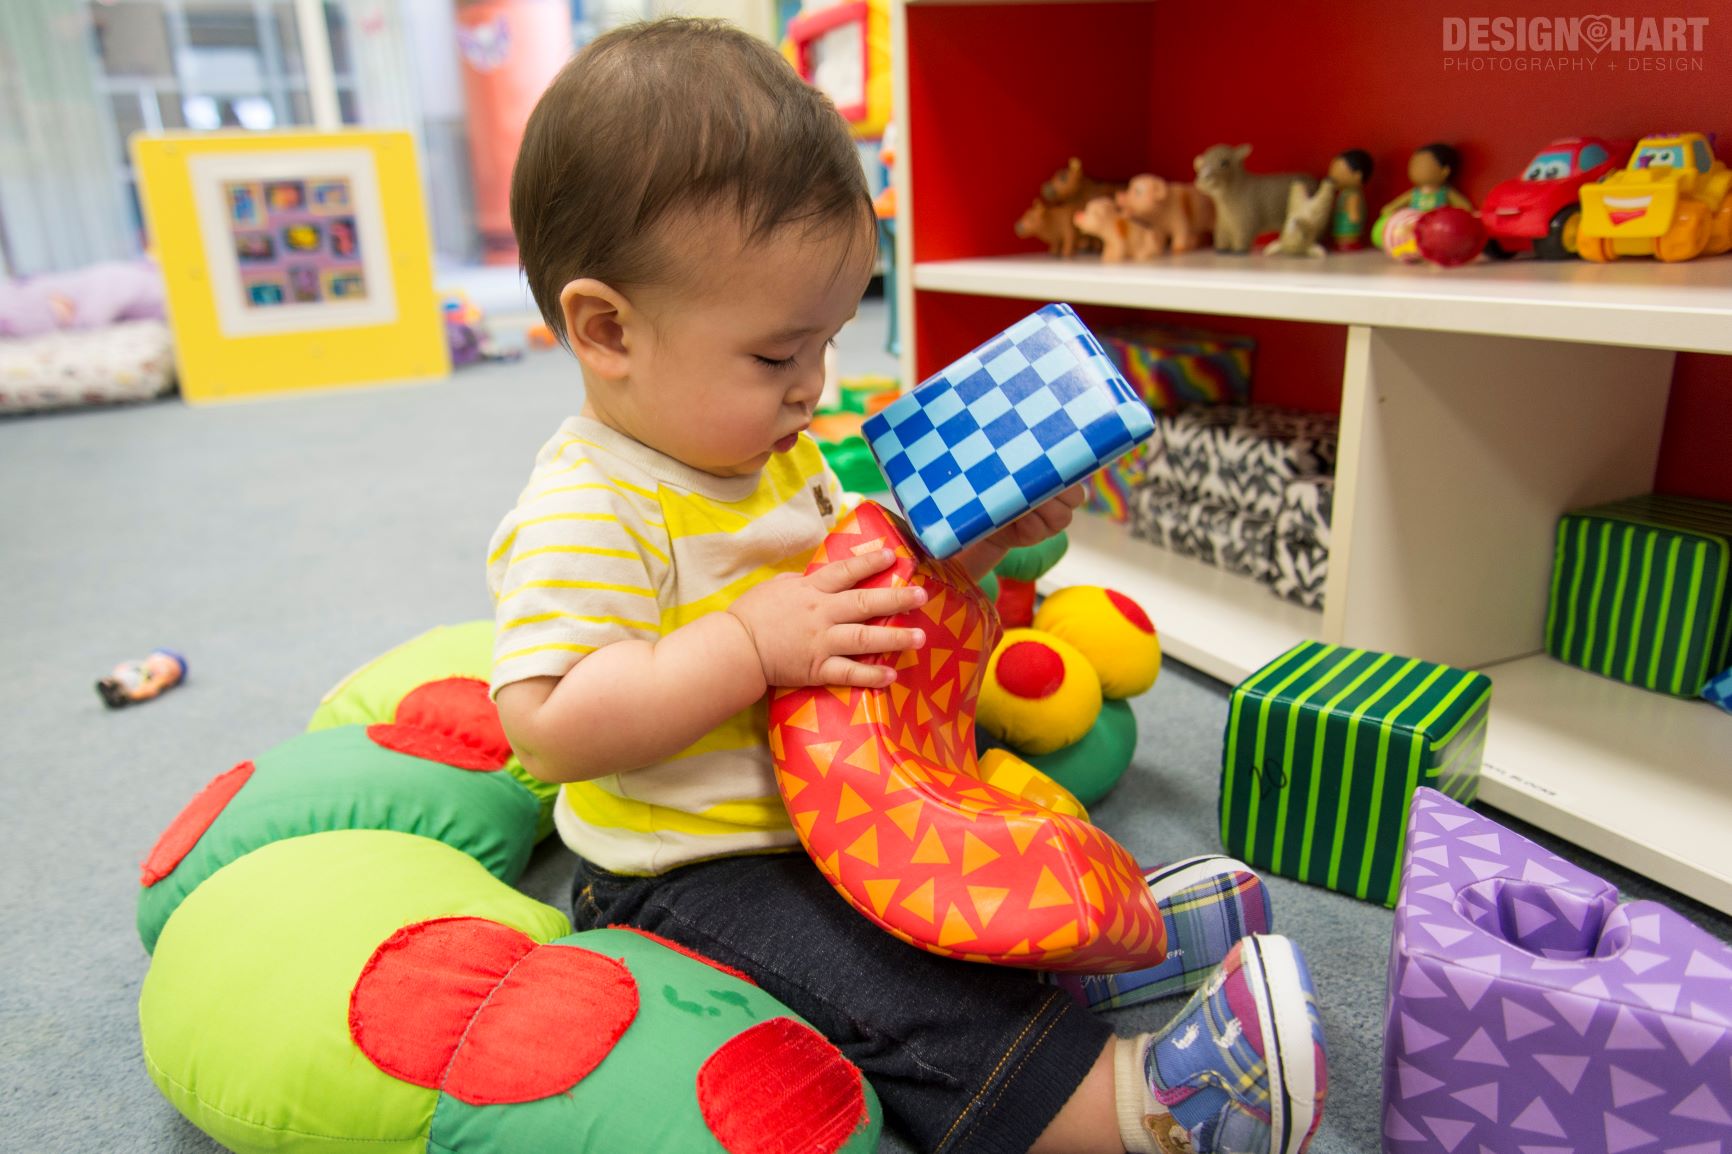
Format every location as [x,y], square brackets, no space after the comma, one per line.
[734,362]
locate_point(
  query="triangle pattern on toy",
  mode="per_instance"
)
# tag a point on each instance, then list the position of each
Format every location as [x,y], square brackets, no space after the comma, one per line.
[1532,1011]
[958,866]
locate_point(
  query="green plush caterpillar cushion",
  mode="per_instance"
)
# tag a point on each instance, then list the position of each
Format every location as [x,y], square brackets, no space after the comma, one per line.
[245,1010]
[373,692]
[341,779]
[262,1023]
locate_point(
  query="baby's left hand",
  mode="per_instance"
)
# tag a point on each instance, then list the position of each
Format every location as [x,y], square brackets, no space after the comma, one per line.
[1044,520]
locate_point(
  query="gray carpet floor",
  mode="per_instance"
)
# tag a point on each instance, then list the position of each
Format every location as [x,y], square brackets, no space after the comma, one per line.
[281,543]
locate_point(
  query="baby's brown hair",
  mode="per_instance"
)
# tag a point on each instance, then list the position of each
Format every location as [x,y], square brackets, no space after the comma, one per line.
[658,119]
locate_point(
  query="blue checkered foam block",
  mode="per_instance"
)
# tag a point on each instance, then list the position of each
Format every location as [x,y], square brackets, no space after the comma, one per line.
[982,442]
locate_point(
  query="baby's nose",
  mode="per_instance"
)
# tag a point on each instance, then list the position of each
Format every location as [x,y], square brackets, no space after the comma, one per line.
[807,389]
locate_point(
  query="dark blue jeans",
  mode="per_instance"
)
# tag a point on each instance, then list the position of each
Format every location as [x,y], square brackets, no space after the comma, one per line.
[964,1057]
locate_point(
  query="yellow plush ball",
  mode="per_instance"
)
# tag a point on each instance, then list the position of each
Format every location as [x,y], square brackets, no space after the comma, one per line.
[1040,694]
[1111,631]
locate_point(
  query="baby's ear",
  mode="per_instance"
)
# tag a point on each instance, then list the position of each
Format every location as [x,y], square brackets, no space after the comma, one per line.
[594,327]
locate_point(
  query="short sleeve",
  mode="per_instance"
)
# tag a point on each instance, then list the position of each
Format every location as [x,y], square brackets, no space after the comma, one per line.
[574,567]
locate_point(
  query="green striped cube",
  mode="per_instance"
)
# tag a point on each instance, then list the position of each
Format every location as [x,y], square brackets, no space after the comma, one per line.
[1324,748]
[1640,592]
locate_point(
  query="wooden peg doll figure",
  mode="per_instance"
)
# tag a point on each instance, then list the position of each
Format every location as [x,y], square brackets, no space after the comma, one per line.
[1349,172]
[1429,169]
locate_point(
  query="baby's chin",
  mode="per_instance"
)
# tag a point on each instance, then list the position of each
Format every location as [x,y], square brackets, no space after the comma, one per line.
[742,469]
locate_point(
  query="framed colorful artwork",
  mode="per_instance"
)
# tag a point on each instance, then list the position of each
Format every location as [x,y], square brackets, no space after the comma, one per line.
[292,260]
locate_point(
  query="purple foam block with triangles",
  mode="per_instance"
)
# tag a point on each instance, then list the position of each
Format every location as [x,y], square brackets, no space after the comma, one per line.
[1530,1013]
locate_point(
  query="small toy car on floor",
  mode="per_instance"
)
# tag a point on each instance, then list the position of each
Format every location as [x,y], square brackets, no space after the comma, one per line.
[1541,209]
[1670,202]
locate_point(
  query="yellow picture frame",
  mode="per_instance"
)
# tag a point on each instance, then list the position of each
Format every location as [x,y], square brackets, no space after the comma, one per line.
[293,260]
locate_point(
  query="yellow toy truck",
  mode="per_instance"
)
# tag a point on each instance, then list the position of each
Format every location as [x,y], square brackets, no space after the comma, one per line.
[1669,202]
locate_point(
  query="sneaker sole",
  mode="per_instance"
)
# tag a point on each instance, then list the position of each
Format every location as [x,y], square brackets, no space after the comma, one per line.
[1288,1050]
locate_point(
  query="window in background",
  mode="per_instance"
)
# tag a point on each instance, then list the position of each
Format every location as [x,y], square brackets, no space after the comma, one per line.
[208,65]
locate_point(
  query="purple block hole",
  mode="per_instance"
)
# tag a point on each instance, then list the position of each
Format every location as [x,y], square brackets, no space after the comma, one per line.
[1546,921]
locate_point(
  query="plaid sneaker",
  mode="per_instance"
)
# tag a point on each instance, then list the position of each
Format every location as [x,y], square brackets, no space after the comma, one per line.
[1241,1069]
[1208,903]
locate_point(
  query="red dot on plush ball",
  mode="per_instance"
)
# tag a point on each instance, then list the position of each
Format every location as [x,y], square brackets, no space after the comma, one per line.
[1030,670]
[1130,611]
[780,1088]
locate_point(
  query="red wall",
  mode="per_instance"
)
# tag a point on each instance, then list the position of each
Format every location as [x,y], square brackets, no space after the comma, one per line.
[1146,86]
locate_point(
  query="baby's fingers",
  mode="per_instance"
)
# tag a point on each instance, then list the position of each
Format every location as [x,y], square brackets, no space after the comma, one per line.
[861,639]
[849,572]
[865,604]
[841,671]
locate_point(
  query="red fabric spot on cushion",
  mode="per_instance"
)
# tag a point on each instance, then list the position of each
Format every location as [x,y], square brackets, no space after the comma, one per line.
[482,1012]
[1130,610]
[451,721]
[1030,670]
[189,825]
[778,1088]
[426,744]
[687,951]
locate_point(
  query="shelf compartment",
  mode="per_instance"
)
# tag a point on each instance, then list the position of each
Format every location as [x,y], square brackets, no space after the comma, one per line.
[1640,778]
[1221,623]
[1636,303]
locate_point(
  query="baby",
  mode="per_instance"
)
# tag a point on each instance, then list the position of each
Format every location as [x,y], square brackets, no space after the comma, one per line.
[695,226]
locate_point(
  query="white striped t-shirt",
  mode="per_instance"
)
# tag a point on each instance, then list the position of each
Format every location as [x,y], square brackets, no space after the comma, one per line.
[612,540]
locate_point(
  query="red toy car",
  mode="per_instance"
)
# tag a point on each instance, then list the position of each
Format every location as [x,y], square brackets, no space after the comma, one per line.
[1541,209]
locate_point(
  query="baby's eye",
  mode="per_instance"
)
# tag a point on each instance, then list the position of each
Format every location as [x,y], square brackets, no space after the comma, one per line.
[774,363]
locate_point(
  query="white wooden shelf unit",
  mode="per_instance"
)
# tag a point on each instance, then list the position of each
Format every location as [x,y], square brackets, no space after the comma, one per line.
[1478,404]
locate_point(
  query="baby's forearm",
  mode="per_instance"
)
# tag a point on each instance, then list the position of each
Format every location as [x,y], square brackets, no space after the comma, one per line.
[634,703]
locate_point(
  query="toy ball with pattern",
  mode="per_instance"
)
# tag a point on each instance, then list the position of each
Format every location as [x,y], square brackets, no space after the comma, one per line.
[1041,694]
[1449,236]
[1111,631]
[1398,237]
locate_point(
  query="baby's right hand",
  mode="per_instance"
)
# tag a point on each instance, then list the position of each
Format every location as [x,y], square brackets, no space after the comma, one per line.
[807,630]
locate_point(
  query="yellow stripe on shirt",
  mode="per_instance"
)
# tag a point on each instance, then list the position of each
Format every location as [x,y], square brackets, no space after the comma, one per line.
[585,550]
[620,481]
[596,806]
[690,514]
[603,486]
[674,616]
[598,586]
[744,730]
[551,646]
[505,545]
[538,618]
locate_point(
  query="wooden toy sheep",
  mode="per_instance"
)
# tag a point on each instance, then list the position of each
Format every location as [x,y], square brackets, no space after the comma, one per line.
[1246,204]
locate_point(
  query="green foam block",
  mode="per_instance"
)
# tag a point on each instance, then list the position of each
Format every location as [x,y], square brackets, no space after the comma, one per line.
[1324,748]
